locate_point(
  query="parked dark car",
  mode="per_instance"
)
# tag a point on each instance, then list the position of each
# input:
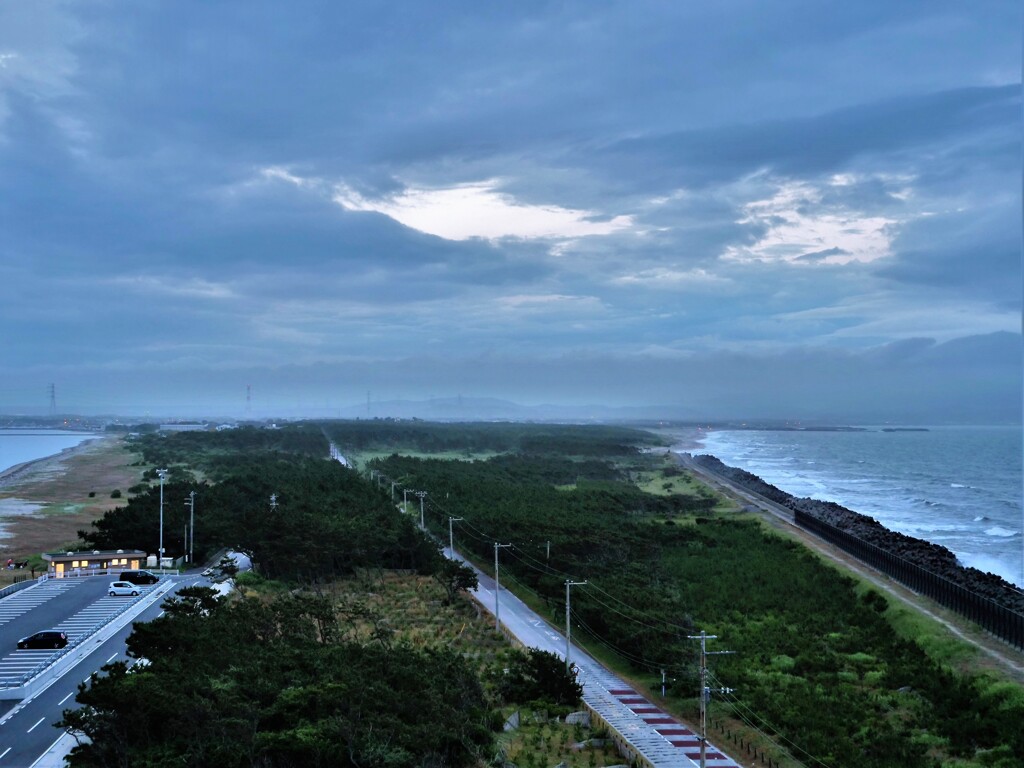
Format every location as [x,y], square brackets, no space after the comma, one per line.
[48,638]
[139,577]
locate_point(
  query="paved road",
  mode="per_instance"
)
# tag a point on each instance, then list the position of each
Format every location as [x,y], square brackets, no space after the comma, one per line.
[27,731]
[657,735]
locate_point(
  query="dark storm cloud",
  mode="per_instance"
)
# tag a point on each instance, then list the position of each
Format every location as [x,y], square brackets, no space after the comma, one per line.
[974,252]
[168,175]
[822,144]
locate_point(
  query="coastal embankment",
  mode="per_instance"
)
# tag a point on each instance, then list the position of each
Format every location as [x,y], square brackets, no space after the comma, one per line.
[931,557]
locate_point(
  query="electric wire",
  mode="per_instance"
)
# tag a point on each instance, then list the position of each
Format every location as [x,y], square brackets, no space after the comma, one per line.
[744,713]
[627,655]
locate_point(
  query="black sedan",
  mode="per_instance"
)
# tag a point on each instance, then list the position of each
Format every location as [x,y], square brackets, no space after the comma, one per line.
[49,638]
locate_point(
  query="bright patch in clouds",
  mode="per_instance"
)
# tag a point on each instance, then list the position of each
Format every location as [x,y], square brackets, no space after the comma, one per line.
[196,288]
[547,302]
[672,279]
[479,210]
[798,224]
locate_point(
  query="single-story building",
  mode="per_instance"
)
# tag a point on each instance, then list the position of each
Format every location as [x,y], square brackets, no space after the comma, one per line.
[82,563]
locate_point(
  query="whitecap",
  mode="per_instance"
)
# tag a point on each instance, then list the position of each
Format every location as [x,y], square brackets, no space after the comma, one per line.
[958,485]
[980,518]
[998,530]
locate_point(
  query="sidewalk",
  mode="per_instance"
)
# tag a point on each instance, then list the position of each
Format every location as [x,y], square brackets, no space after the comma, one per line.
[658,738]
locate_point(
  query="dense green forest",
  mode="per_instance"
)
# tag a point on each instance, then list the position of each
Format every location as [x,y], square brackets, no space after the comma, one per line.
[324,520]
[425,437]
[289,680]
[277,683]
[815,665]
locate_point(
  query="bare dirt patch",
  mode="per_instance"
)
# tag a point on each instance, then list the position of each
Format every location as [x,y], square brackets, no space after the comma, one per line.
[44,503]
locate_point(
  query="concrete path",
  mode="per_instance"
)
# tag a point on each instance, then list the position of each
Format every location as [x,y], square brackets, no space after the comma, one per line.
[659,737]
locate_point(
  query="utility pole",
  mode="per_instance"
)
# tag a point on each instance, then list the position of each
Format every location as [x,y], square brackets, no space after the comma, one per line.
[568,621]
[191,525]
[497,586]
[423,524]
[160,553]
[549,549]
[393,484]
[451,536]
[705,692]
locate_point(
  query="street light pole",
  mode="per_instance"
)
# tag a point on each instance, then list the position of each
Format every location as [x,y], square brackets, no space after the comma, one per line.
[497,586]
[568,621]
[191,525]
[421,494]
[451,536]
[160,553]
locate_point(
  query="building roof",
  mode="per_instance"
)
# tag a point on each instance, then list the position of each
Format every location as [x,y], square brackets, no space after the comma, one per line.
[92,553]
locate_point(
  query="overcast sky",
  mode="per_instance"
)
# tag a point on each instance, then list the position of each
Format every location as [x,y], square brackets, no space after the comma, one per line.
[738,208]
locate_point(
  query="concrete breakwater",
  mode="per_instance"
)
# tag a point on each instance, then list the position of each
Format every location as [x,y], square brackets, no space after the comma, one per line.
[928,556]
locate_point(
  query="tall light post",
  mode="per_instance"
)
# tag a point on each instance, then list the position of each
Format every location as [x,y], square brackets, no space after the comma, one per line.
[162,473]
[421,494]
[497,586]
[191,525]
[568,621]
[451,536]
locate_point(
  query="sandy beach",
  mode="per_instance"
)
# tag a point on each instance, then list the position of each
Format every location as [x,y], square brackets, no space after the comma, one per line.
[45,502]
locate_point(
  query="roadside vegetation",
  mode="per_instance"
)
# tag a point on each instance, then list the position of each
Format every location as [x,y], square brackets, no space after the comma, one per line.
[352,644]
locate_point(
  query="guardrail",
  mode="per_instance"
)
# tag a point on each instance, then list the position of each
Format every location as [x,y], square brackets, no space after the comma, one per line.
[10,589]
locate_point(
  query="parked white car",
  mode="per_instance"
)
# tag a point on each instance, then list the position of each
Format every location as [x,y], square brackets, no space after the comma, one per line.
[123,588]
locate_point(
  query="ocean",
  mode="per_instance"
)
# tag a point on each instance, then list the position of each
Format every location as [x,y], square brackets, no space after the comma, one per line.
[20,445]
[960,487]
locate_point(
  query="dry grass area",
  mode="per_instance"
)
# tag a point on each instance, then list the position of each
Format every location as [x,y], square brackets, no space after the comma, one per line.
[45,503]
[411,609]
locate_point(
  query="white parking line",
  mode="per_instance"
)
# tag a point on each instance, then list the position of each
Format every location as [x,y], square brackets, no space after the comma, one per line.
[65,698]
[34,726]
[5,752]
[115,656]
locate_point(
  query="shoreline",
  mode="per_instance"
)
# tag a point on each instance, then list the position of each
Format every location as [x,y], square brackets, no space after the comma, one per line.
[930,556]
[812,482]
[45,501]
[13,474]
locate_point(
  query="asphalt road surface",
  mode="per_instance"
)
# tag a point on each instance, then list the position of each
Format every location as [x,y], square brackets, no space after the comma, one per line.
[27,728]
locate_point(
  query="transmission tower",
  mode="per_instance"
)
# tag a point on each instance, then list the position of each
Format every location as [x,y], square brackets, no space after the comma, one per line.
[248,399]
[53,399]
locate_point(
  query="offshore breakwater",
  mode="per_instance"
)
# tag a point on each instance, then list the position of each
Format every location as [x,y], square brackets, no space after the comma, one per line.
[856,529]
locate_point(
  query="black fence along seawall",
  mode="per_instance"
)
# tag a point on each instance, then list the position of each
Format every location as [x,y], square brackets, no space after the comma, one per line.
[997,619]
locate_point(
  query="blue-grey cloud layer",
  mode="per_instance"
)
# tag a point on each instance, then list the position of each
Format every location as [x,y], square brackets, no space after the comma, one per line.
[808,190]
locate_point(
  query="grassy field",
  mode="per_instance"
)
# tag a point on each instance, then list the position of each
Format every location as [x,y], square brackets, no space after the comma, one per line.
[406,608]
